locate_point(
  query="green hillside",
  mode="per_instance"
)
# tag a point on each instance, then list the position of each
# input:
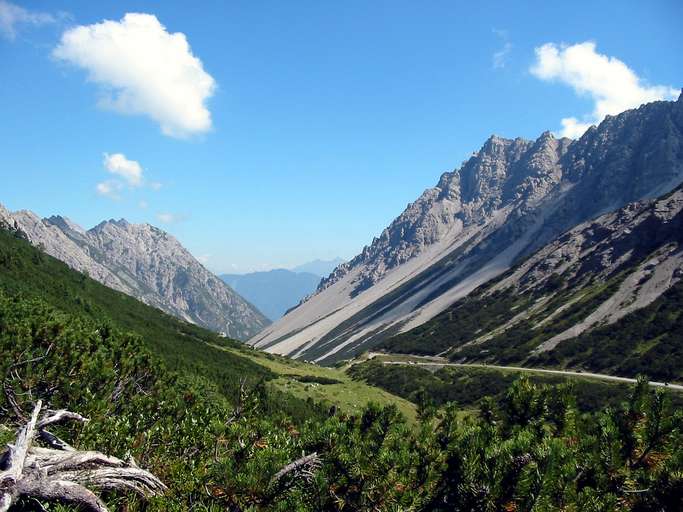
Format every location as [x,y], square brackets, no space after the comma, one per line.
[192,350]
[168,393]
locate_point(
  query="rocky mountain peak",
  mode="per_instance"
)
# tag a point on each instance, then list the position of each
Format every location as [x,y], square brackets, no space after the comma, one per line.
[145,262]
[481,177]
[634,155]
[65,224]
[121,223]
[503,173]
[509,199]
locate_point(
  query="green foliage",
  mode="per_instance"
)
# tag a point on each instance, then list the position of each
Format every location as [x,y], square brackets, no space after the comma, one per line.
[531,451]
[647,341]
[457,325]
[513,345]
[315,379]
[218,445]
[184,347]
[469,386]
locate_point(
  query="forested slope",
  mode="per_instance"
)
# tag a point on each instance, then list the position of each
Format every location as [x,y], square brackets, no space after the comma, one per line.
[217,448]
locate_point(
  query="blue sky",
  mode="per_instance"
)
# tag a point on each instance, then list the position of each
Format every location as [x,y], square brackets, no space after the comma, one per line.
[304,127]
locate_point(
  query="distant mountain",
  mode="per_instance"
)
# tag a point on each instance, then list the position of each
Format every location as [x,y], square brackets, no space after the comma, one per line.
[507,201]
[273,292]
[321,268]
[145,262]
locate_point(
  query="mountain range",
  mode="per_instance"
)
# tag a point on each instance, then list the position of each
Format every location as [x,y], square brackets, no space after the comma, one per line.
[145,262]
[511,199]
[319,267]
[275,291]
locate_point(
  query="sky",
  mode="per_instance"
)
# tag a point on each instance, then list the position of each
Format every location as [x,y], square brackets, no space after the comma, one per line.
[264,134]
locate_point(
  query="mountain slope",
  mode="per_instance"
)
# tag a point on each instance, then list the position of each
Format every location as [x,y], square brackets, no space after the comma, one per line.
[144,262]
[605,296]
[275,291]
[27,274]
[508,200]
[216,456]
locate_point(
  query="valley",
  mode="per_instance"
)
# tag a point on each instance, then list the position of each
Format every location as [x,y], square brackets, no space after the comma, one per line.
[555,211]
[165,390]
[508,340]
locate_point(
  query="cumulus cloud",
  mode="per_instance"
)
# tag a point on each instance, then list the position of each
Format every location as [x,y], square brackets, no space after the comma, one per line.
[128,174]
[143,70]
[13,16]
[500,56]
[610,83]
[129,170]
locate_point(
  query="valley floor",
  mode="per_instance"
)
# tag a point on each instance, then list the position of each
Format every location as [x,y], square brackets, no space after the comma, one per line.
[331,386]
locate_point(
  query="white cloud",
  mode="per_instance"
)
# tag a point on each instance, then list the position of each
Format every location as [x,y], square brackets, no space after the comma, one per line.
[500,56]
[12,16]
[110,189]
[128,175]
[573,128]
[129,170]
[143,69]
[143,204]
[155,185]
[610,83]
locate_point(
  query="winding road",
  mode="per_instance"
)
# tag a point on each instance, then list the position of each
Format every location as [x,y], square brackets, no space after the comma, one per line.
[433,362]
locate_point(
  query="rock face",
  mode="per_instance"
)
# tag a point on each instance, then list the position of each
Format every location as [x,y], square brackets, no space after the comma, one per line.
[503,175]
[588,278]
[508,200]
[144,262]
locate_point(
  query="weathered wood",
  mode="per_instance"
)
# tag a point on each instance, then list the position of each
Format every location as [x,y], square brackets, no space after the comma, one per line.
[53,418]
[61,491]
[60,416]
[137,480]
[62,474]
[18,452]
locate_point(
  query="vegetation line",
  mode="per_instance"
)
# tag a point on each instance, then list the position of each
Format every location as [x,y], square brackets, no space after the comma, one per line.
[602,376]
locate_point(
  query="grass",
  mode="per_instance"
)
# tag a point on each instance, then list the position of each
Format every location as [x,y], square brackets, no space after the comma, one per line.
[350,396]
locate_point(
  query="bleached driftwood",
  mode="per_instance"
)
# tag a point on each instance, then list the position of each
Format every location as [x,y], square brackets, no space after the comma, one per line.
[63,474]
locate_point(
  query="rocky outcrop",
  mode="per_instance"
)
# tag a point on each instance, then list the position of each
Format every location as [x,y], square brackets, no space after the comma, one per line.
[587,279]
[508,200]
[144,262]
[512,174]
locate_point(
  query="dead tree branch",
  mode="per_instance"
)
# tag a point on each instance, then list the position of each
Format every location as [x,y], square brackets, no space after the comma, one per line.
[62,474]
[304,467]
